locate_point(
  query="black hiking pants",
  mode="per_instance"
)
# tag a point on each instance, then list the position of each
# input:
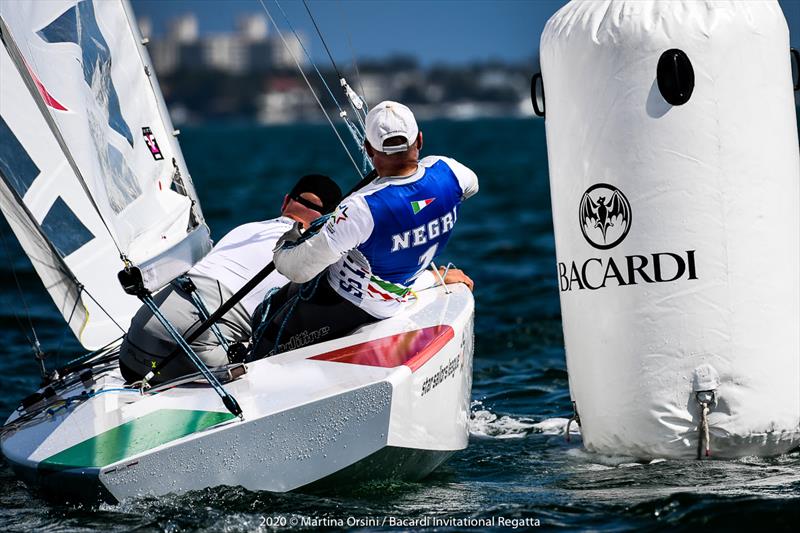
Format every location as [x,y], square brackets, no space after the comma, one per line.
[303,314]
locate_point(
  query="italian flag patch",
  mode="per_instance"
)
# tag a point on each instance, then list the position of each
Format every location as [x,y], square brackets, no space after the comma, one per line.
[419,205]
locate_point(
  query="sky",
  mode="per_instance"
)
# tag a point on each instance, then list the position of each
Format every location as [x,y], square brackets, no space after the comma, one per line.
[434,31]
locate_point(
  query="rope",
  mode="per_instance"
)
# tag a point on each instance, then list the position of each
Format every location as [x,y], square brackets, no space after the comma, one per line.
[704,444]
[229,401]
[56,406]
[705,399]
[35,344]
[350,94]
[87,356]
[313,284]
[262,324]
[311,88]
[185,285]
[441,277]
[574,418]
[83,397]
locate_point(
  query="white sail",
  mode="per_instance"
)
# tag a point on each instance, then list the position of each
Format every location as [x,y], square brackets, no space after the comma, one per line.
[91,173]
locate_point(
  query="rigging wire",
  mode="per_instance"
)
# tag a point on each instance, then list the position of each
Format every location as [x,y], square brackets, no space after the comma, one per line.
[342,81]
[308,56]
[356,101]
[89,294]
[302,73]
[37,347]
[321,38]
[69,320]
[353,55]
[34,342]
[358,135]
[85,357]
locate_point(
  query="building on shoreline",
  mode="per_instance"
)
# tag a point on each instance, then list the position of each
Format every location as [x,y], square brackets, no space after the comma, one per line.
[249,74]
[251,48]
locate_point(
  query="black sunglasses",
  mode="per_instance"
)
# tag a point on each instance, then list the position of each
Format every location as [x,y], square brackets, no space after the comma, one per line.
[305,203]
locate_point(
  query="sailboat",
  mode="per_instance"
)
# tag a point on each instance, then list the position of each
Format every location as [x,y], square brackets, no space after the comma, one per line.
[92,184]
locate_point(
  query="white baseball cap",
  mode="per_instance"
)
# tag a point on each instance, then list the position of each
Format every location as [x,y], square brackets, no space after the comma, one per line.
[390,119]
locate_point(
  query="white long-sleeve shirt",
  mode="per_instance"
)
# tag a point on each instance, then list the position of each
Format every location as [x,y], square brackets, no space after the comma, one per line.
[241,254]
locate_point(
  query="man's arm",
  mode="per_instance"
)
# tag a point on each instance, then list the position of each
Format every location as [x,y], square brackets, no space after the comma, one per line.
[349,225]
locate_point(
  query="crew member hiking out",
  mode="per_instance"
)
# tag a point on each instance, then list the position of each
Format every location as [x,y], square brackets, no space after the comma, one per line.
[361,265]
[233,261]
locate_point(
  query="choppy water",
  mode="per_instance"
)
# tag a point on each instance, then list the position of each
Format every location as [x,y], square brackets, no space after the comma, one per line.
[518,464]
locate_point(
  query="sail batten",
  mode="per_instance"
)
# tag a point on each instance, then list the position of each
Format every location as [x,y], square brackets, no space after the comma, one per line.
[88,160]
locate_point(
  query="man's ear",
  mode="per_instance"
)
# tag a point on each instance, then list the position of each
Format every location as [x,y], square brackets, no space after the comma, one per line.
[370,151]
[285,203]
[419,141]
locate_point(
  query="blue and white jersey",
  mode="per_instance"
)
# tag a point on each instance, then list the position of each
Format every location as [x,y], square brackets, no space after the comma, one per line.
[382,237]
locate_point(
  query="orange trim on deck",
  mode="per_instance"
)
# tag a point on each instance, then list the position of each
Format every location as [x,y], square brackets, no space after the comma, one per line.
[412,349]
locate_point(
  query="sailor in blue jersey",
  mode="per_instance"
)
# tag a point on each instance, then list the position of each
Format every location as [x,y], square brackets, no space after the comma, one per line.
[379,242]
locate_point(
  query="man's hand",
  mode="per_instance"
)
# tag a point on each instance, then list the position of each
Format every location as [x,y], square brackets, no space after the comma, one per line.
[293,235]
[455,275]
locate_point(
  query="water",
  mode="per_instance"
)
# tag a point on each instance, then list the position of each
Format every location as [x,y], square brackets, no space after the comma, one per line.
[518,464]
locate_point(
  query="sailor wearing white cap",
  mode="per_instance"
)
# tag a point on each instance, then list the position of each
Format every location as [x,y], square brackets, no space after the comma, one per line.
[390,120]
[376,244]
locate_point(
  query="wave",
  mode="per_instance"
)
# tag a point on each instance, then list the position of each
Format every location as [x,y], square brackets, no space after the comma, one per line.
[484,423]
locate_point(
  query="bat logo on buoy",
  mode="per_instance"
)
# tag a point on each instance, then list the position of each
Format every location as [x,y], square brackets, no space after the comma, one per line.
[604,216]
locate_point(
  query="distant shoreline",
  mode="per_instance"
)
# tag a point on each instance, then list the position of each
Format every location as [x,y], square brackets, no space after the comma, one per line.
[237,123]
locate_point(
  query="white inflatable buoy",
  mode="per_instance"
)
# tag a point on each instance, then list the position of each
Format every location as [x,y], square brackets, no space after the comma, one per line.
[674,171]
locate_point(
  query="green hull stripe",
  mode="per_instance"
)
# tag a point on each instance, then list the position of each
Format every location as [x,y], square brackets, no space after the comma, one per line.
[133,437]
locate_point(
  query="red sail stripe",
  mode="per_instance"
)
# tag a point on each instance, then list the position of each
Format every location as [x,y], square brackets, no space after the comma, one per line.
[48,98]
[412,349]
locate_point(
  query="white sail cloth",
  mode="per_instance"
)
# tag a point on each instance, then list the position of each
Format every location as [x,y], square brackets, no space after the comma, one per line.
[91,172]
[677,230]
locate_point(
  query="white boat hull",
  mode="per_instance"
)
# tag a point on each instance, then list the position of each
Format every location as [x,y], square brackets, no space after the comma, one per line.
[390,401]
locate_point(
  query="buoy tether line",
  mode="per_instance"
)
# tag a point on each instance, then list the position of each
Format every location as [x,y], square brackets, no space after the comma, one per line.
[574,418]
[705,399]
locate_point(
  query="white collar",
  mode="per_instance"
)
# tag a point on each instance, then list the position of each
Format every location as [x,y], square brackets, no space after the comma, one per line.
[403,179]
[284,220]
